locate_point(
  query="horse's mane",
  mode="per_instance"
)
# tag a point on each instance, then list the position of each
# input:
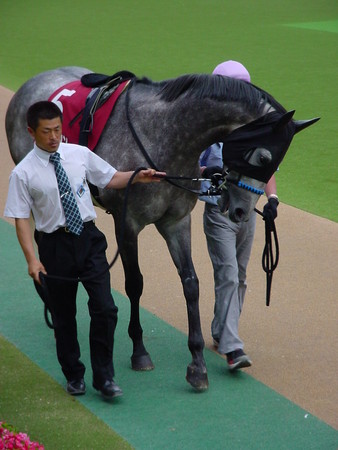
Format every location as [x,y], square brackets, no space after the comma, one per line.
[202,86]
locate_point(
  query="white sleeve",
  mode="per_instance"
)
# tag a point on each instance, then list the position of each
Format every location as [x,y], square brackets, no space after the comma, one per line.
[99,172]
[19,202]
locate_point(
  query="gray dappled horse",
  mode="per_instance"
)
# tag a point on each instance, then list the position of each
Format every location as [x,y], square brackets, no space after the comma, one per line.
[175,120]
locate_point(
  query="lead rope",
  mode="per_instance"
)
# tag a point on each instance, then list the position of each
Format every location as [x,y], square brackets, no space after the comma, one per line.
[144,152]
[44,288]
[269,263]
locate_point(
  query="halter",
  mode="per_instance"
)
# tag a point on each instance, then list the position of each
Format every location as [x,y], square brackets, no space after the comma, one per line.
[269,263]
[250,188]
[237,182]
[181,178]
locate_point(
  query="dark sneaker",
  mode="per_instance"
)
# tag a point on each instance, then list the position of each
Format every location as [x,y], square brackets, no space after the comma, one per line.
[238,360]
[109,389]
[76,387]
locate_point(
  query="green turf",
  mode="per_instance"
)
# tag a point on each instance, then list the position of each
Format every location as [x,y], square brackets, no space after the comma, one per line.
[158,409]
[328,25]
[290,49]
[161,39]
[36,404]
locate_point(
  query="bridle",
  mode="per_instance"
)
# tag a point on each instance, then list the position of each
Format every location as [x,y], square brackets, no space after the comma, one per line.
[170,178]
[269,263]
[43,290]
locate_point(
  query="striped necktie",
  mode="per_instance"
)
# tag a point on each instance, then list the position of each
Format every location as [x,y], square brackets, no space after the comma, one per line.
[73,217]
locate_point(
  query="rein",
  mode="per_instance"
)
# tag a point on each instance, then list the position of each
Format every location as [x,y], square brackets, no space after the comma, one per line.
[167,177]
[146,154]
[269,263]
[43,289]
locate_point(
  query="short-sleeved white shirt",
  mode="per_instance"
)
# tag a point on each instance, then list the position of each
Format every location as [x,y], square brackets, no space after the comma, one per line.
[33,186]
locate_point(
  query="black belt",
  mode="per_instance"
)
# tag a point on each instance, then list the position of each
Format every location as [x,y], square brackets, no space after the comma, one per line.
[89,224]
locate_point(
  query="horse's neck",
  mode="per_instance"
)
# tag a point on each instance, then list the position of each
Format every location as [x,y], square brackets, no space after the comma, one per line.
[173,133]
[192,124]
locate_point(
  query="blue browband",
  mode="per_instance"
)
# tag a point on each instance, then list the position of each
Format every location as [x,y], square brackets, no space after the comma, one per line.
[250,188]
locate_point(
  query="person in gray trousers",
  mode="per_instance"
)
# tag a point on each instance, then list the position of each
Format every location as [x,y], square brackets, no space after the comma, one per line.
[229,246]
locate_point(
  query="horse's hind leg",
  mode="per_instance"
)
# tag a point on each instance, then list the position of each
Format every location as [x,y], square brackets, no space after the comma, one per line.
[178,238]
[140,359]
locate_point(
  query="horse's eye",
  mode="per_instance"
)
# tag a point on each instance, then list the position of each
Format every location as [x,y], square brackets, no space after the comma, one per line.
[258,156]
[265,157]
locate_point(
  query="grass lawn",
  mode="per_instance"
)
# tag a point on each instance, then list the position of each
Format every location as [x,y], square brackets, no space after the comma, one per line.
[34,403]
[288,47]
[290,50]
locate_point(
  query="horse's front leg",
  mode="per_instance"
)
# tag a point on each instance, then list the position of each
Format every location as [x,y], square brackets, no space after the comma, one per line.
[140,359]
[178,238]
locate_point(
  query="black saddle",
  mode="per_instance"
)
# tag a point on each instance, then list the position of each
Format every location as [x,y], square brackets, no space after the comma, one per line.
[98,79]
[103,87]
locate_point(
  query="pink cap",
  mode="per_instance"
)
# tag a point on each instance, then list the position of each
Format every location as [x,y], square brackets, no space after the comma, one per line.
[232,69]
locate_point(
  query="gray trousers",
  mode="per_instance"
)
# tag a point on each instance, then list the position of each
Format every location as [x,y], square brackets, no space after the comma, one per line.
[229,246]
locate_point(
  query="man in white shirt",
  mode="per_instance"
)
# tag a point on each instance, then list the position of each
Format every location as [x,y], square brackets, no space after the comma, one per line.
[33,189]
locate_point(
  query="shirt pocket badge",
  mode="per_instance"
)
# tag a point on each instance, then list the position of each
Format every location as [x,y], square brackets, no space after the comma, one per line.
[81,191]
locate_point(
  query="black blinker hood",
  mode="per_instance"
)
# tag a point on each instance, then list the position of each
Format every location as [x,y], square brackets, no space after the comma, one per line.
[274,132]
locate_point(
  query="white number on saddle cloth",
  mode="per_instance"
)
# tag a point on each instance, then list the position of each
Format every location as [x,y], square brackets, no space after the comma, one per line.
[63,93]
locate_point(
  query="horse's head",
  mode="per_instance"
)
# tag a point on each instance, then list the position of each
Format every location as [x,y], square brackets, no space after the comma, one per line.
[252,154]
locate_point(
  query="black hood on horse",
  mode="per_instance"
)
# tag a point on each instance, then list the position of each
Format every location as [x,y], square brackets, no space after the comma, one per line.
[273,132]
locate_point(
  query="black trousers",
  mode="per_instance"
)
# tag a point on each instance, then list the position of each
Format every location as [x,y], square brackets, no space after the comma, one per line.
[66,255]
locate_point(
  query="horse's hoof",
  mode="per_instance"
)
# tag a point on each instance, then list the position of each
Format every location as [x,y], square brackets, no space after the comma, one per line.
[142,362]
[197,379]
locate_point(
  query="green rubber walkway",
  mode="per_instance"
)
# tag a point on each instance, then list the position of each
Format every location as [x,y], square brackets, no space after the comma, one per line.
[159,410]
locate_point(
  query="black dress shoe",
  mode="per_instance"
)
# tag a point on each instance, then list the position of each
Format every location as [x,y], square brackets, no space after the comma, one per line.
[76,387]
[109,389]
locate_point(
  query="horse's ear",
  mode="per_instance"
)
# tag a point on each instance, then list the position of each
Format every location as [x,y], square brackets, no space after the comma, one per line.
[302,124]
[284,120]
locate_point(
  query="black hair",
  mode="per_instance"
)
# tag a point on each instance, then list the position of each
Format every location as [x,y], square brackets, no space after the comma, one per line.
[42,110]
